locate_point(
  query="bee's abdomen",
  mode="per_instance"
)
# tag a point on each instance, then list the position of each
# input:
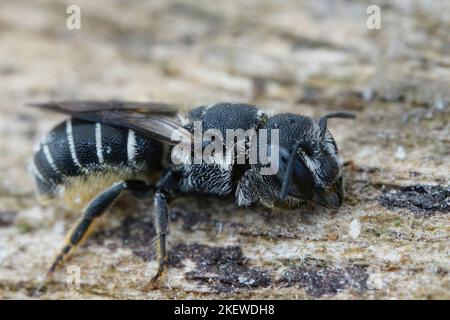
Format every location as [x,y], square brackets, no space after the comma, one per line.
[78,148]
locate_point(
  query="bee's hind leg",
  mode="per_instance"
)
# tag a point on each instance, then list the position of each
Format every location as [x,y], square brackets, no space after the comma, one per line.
[94,210]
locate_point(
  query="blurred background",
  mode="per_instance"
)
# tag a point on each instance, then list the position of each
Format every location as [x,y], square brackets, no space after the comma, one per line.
[307,57]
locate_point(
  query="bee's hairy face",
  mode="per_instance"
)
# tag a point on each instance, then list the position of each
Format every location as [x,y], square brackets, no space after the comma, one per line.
[316,166]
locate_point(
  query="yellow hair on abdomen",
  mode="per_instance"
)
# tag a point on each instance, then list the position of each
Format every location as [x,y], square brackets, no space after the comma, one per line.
[79,191]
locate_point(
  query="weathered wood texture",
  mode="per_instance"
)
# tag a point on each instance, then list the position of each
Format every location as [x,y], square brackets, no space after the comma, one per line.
[389,240]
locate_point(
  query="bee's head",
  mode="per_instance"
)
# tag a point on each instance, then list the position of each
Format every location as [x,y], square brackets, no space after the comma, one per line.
[309,164]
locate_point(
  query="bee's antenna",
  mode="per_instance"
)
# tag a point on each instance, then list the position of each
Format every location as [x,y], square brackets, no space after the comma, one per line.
[288,174]
[342,115]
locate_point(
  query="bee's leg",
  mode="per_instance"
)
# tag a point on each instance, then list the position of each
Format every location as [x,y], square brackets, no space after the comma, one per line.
[94,210]
[252,190]
[161,213]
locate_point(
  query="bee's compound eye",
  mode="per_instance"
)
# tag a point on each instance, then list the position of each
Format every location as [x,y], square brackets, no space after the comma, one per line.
[303,179]
[284,155]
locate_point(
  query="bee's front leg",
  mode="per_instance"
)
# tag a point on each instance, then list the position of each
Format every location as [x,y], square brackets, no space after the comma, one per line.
[252,190]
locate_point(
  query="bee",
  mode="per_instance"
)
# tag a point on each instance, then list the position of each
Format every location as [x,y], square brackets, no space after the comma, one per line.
[105,149]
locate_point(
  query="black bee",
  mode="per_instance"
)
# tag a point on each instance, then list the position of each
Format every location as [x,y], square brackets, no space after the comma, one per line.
[107,148]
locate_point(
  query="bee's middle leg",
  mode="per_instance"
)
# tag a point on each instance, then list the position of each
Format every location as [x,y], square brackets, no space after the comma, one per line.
[161,220]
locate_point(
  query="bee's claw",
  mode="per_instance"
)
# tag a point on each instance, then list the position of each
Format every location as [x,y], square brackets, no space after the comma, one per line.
[41,288]
[154,281]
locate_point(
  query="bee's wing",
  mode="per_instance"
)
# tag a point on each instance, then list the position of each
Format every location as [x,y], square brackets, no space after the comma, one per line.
[155,120]
[89,106]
